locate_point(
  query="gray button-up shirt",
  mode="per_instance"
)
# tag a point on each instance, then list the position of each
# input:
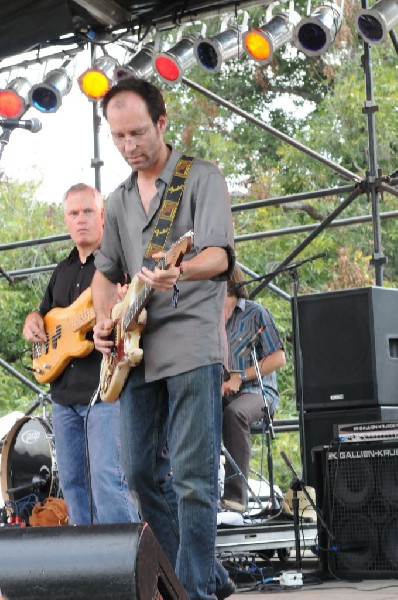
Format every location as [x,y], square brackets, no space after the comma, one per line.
[175,340]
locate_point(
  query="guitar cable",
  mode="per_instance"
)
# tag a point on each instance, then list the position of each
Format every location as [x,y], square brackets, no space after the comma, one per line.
[94,398]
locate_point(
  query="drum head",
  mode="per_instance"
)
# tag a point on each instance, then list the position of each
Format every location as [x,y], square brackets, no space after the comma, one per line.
[27,460]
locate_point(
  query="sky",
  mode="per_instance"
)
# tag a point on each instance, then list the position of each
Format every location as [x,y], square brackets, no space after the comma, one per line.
[60,154]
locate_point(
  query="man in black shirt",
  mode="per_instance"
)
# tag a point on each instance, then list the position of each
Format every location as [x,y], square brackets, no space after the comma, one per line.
[73,389]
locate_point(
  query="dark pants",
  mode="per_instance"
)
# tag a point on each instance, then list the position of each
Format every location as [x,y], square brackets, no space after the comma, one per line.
[238,415]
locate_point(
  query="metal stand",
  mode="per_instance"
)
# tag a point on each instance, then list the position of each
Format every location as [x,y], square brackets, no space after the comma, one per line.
[43,400]
[298,485]
[268,428]
[4,139]
[239,473]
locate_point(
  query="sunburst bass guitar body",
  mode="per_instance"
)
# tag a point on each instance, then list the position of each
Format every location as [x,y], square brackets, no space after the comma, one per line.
[129,317]
[66,330]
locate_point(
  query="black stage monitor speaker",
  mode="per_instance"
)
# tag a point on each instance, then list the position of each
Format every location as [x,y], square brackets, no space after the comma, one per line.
[357,491]
[349,347]
[121,561]
[319,429]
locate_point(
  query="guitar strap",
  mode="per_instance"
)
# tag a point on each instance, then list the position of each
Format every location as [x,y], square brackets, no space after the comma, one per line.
[170,203]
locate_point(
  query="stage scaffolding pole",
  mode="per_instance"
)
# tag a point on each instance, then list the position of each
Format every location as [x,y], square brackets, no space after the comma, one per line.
[96,162]
[373,174]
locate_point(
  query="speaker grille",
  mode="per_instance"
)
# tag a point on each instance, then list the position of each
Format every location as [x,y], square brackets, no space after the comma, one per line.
[357,490]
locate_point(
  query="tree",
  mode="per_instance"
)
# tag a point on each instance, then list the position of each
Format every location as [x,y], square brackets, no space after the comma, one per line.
[21,219]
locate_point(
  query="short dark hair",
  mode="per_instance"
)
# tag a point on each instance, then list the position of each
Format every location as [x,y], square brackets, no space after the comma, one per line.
[151,95]
[239,291]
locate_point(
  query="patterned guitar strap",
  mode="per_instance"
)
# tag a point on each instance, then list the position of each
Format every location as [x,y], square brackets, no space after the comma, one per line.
[168,210]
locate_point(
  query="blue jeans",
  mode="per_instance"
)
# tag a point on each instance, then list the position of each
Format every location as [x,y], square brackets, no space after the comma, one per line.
[181,414]
[112,502]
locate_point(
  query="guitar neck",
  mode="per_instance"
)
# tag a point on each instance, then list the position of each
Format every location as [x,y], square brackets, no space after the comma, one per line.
[84,319]
[140,301]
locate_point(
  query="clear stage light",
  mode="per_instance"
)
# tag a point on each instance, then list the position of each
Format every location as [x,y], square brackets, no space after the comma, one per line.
[211,52]
[140,66]
[373,24]
[314,34]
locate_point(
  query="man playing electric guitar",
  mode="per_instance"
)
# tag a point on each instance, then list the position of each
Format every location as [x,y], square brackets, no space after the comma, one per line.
[173,395]
[73,389]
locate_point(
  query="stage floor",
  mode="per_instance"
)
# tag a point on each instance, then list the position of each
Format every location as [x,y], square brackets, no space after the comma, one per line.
[258,555]
[385,589]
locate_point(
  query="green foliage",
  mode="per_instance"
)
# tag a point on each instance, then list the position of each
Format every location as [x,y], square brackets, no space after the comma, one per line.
[22,219]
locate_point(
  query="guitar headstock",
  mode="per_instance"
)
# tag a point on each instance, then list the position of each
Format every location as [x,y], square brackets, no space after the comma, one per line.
[176,252]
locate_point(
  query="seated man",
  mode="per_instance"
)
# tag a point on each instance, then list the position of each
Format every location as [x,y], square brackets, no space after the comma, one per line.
[242,397]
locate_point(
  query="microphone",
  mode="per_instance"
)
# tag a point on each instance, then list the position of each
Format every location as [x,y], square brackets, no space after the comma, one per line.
[251,341]
[33,125]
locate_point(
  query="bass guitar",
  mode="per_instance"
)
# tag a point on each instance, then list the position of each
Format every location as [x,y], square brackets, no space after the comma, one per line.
[66,330]
[129,318]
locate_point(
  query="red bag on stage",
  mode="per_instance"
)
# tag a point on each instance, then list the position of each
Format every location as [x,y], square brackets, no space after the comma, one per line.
[49,513]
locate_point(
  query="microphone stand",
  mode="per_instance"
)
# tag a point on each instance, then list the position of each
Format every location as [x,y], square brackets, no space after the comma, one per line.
[4,139]
[298,485]
[268,427]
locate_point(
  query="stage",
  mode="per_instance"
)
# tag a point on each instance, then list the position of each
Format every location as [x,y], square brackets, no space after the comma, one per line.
[259,555]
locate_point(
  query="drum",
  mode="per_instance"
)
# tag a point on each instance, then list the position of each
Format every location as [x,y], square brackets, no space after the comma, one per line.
[28,461]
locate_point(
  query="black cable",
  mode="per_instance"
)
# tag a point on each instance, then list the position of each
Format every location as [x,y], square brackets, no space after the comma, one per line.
[88,469]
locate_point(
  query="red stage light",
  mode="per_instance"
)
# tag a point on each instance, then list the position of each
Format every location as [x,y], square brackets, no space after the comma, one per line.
[11,105]
[167,68]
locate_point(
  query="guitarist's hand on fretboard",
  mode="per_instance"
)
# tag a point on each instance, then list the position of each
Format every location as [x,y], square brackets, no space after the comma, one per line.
[102,331]
[159,279]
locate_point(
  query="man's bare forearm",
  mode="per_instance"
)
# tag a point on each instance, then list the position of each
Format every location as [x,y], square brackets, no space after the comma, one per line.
[104,294]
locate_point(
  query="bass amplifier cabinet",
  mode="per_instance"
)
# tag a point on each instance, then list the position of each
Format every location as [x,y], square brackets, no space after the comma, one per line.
[319,426]
[349,348]
[357,492]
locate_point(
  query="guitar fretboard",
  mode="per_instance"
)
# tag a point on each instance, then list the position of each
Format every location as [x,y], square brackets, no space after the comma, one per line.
[142,299]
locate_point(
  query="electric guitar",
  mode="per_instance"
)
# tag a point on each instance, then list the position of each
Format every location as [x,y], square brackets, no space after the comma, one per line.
[129,317]
[66,330]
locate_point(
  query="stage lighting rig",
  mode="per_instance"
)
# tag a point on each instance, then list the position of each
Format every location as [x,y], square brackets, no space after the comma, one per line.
[171,65]
[47,96]
[314,34]
[140,66]
[97,80]
[260,43]
[14,99]
[211,52]
[373,24]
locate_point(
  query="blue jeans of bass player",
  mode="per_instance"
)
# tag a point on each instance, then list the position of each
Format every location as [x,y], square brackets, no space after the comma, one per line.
[112,501]
[181,414]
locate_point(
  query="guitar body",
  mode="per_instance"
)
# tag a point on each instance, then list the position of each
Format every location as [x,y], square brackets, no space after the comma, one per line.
[126,352]
[66,330]
[129,317]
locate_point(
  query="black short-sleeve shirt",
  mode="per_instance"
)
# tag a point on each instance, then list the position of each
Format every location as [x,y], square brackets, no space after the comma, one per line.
[80,378]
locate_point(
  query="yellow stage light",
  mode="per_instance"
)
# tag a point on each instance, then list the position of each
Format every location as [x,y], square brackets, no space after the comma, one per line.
[95,82]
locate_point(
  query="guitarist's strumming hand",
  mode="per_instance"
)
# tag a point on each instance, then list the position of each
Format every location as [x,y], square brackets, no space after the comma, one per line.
[33,330]
[102,330]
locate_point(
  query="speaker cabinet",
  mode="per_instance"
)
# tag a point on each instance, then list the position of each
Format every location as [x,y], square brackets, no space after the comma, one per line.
[349,348]
[120,561]
[318,429]
[357,492]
